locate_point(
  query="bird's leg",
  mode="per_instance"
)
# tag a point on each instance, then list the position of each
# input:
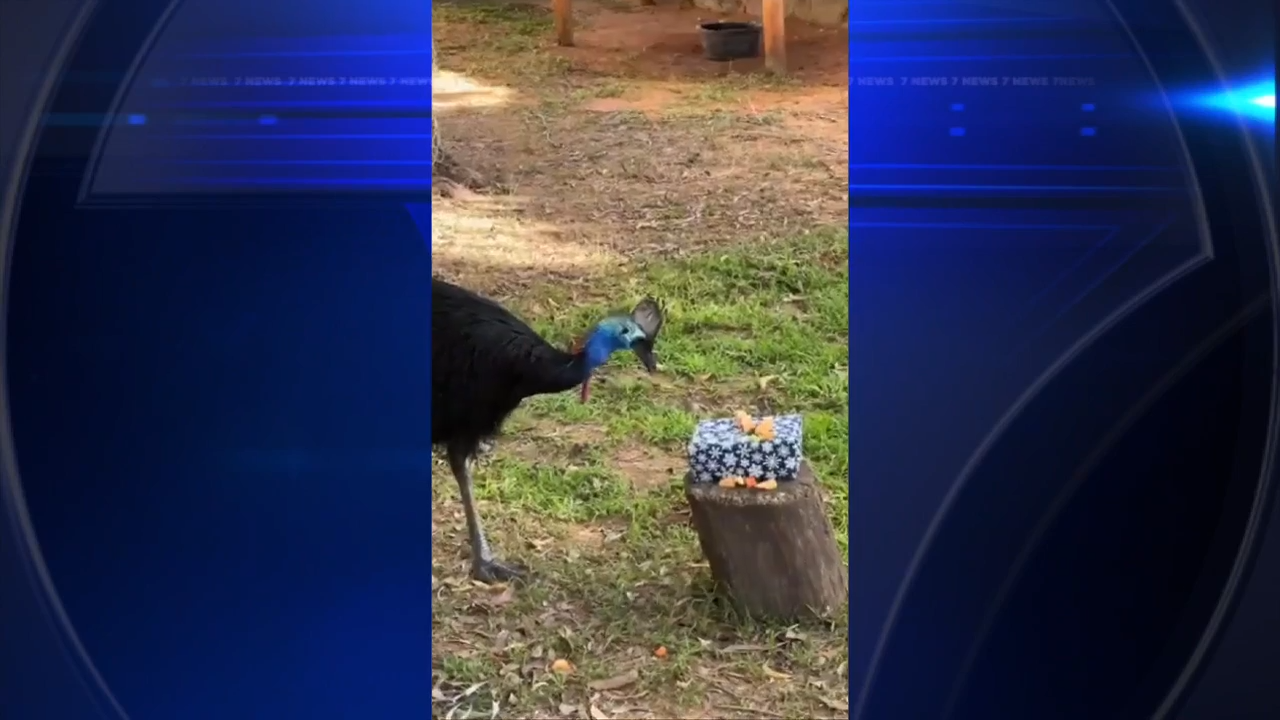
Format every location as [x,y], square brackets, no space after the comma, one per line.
[484,567]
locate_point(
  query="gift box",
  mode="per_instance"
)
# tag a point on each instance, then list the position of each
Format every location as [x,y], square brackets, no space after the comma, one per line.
[724,448]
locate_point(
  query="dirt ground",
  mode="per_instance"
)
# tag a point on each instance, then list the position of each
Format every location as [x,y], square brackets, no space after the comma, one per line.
[628,144]
[662,42]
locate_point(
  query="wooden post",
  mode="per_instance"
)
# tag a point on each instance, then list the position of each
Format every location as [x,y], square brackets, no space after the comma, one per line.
[774,16]
[773,551]
[564,22]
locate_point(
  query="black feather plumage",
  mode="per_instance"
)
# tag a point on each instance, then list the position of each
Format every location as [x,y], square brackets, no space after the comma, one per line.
[484,362]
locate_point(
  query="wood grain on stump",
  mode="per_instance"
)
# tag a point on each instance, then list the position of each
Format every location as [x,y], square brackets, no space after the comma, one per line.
[773,551]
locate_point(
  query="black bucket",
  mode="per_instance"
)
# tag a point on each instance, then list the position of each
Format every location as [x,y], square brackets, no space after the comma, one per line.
[730,40]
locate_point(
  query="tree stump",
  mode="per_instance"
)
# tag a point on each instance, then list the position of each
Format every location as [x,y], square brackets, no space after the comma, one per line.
[773,551]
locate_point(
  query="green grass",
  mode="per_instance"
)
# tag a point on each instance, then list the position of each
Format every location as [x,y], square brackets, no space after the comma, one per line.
[618,571]
[748,328]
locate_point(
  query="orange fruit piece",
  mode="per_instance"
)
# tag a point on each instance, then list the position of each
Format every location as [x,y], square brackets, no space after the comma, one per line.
[767,485]
[660,651]
[765,427]
[751,482]
[562,666]
[728,482]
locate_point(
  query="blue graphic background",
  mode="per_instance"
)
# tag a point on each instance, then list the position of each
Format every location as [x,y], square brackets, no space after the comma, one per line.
[219,406]
[1016,178]
[237,97]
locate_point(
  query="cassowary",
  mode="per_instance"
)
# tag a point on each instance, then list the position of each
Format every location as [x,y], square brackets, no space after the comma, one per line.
[485,361]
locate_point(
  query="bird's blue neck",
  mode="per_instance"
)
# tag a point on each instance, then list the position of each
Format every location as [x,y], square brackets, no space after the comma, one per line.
[598,347]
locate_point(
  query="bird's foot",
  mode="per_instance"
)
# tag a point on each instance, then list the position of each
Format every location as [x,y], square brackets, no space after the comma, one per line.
[495,571]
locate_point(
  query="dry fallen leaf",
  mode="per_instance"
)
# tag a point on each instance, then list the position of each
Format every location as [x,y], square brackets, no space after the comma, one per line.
[506,596]
[837,705]
[562,666]
[770,672]
[728,649]
[598,714]
[615,683]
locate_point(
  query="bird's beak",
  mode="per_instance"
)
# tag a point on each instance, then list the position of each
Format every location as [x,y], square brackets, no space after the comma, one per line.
[644,351]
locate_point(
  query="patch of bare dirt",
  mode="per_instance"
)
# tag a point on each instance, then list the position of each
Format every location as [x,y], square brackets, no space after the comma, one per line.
[590,191]
[645,468]
[530,440]
[596,535]
[650,101]
[662,42]
[633,147]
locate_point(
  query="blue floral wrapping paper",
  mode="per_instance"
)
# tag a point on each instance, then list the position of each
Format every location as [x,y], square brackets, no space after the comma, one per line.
[720,449]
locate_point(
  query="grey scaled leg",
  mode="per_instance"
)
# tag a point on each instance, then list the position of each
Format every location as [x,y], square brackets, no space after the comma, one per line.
[484,567]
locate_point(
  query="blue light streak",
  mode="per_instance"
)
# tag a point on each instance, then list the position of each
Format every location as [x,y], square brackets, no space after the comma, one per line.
[1254,101]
